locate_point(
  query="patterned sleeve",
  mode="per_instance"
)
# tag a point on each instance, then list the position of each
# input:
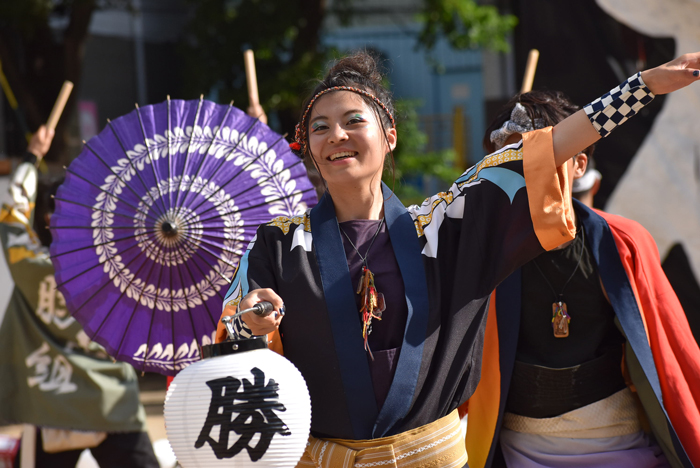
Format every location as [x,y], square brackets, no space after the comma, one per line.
[254,272]
[487,224]
[619,104]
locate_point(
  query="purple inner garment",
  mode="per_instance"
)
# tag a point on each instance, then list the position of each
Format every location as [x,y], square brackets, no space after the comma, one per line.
[387,334]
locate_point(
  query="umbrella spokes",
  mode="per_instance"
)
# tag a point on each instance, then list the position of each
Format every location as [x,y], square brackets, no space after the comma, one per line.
[227,156]
[170,231]
[199,293]
[152,320]
[189,149]
[90,246]
[132,167]
[106,194]
[272,200]
[94,294]
[150,157]
[211,143]
[76,203]
[81,273]
[223,259]
[217,290]
[117,175]
[133,310]
[262,181]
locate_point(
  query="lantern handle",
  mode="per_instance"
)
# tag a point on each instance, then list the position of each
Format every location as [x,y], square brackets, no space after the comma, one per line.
[261,309]
[228,324]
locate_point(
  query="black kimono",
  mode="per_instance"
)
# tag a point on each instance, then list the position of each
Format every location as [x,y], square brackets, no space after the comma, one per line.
[452,251]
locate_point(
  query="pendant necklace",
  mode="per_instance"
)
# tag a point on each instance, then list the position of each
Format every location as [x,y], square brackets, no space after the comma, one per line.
[372,301]
[560,313]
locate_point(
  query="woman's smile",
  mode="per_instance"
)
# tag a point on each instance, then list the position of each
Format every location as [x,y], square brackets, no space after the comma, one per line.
[342,155]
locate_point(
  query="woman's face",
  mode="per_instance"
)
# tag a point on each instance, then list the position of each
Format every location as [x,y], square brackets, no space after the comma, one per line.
[347,142]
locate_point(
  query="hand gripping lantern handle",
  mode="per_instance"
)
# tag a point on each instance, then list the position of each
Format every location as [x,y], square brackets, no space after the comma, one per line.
[262,309]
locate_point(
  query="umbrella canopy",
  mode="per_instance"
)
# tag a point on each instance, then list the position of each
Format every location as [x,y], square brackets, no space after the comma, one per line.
[153,217]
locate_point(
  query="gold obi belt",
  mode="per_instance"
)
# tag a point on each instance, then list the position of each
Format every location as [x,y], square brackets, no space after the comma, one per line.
[438,444]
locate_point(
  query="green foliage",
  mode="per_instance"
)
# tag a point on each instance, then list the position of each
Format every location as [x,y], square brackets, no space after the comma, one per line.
[465,24]
[413,161]
[284,36]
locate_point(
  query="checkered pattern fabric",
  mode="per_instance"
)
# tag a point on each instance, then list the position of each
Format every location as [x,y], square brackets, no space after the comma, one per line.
[618,105]
[241,329]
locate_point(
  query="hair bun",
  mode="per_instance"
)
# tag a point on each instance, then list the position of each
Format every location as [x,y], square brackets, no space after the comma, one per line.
[361,66]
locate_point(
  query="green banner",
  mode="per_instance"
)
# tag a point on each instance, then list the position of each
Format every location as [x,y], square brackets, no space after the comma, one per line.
[51,374]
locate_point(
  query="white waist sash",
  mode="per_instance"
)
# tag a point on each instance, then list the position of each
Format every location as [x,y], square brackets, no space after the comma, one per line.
[613,416]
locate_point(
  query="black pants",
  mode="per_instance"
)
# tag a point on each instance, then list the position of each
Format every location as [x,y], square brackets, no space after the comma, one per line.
[118,450]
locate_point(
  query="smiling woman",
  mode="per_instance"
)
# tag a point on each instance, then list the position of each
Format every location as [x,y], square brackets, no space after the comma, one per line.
[385,306]
[348,145]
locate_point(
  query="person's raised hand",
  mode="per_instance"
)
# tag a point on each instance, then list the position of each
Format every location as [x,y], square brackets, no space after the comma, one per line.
[258,325]
[40,142]
[673,75]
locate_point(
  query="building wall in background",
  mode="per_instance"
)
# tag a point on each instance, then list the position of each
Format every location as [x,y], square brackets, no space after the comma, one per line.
[130,57]
[441,80]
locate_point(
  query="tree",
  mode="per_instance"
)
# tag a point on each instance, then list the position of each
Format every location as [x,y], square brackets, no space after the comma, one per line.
[286,38]
[37,58]
[285,34]
[465,24]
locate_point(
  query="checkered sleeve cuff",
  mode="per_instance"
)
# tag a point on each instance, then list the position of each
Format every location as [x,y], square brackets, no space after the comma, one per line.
[241,329]
[619,104]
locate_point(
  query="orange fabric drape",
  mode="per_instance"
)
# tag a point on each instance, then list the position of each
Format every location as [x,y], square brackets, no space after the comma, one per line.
[547,190]
[483,404]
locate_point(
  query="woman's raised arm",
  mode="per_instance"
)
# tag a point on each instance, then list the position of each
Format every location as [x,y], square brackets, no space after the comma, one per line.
[600,117]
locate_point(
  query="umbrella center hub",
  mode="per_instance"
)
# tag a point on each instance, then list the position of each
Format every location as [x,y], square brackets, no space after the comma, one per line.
[169,228]
[176,237]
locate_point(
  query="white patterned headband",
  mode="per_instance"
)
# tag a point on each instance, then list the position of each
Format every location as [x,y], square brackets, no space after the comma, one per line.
[519,123]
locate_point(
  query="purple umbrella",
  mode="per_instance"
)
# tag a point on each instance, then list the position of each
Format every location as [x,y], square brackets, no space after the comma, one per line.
[153,217]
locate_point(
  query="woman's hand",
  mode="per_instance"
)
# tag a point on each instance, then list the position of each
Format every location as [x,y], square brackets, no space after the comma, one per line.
[673,75]
[258,325]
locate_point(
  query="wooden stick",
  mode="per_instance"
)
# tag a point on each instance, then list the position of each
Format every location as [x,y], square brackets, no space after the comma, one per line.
[27,449]
[59,105]
[254,107]
[530,68]
[249,59]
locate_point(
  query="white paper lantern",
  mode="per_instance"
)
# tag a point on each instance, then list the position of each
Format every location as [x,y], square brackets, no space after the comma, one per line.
[250,408]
